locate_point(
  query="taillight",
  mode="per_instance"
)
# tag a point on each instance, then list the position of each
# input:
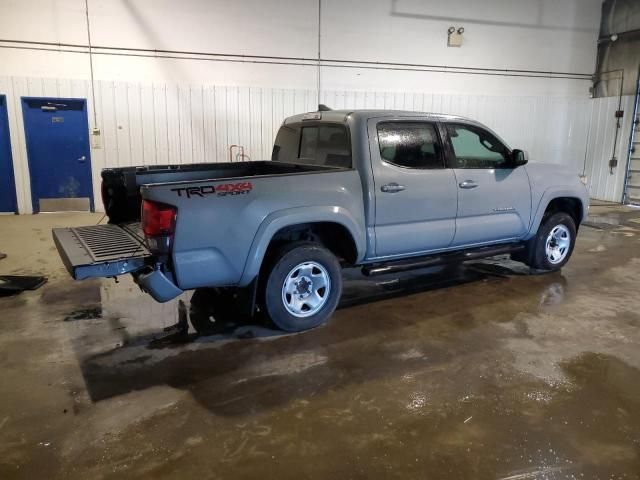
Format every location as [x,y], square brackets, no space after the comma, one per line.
[158,219]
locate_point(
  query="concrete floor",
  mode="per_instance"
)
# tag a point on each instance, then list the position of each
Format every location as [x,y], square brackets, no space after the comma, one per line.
[481,372]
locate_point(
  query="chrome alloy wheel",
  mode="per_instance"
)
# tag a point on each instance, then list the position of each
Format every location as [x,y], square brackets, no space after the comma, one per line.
[306,289]
[557,244]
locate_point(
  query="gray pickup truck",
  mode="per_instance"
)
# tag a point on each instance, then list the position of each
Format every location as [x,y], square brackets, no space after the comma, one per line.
[388,191]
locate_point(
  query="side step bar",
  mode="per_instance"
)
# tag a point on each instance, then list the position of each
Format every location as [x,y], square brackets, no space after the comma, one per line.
[439,259]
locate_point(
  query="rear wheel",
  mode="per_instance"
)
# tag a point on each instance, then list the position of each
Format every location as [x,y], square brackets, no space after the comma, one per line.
[553,244]
[303,286]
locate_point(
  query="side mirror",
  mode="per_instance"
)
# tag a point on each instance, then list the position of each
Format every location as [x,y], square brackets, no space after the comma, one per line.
[519,157]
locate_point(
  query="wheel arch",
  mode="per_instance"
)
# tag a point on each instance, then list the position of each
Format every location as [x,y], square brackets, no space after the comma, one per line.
[334,227]
[553,201]
[570,205]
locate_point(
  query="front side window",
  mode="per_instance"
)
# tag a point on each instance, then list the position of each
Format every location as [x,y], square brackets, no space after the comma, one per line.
[410,144]
[474,147]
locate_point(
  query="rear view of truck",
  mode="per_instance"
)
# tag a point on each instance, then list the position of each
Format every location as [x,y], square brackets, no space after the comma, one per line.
[136,240]
[270,233]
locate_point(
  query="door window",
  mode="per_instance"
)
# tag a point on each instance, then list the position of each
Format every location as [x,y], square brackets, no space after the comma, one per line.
[410,145]
[474,147]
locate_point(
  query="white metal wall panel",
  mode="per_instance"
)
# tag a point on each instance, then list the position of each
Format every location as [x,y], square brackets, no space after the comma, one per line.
[167,123]
[244,119]
[98,156]
[268,126]
[148,124]
[108,128]
[255,118]
[220,123]
[207,109]
[198,132]
[603,183]
[552,129]
[134,112]
[18,89]
[161,124]
[185,119]
[123,127]
[174,129]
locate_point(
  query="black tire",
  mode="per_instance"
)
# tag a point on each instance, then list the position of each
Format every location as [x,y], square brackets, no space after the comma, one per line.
[537,253]
[281,266]
[215,310]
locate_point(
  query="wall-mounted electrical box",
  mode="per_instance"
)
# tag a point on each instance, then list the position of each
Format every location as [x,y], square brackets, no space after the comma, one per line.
[455,38]
[96,138]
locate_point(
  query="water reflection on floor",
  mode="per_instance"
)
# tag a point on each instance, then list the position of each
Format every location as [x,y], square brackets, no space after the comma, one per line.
[477,371]
[148,320]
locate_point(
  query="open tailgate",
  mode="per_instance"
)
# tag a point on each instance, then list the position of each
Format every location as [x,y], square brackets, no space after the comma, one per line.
[101,250]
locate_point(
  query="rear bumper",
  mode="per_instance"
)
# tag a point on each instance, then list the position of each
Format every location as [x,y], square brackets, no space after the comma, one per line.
[157,284]
[111,250]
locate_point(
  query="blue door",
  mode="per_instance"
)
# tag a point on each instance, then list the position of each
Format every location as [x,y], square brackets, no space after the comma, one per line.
[57,134]
[7,182]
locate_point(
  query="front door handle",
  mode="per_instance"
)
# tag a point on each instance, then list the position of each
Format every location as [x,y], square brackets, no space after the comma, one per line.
[82,158]
[392,188]
[468,184]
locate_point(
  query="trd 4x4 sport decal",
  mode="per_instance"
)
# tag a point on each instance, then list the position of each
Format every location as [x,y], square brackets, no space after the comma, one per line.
[241,188]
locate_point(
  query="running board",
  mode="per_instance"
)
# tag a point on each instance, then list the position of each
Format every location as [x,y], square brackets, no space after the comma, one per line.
[439,259]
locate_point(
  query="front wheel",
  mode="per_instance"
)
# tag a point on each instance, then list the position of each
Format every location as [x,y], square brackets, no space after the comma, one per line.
[303,286]
[554,242]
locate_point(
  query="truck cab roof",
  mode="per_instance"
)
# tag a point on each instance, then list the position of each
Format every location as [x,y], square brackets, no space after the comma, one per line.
[359,118]
[365,114]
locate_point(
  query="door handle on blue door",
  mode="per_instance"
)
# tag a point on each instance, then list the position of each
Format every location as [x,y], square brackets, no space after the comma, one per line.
[82,158]
[392,188]
[468,184]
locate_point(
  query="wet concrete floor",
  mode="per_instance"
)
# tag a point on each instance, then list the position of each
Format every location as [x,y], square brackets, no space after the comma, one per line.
[481,371]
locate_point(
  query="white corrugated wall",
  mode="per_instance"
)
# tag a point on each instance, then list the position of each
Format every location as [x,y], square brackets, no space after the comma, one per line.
[605,183]
[146,124]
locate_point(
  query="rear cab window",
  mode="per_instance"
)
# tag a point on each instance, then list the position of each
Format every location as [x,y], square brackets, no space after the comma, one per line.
[320,144]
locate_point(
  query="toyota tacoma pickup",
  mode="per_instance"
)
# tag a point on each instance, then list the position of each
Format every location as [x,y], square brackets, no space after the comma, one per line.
[387,191]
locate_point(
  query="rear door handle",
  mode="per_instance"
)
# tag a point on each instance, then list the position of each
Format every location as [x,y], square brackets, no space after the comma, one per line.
[468,184]
[392,188]
[82,158]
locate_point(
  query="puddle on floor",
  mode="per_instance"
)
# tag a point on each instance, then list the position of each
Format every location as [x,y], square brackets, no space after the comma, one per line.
[148,319]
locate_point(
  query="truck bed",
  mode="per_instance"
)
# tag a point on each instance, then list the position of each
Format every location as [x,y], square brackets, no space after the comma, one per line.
[121,186]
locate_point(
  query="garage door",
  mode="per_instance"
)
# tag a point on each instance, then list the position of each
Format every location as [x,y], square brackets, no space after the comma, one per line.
[633,178]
